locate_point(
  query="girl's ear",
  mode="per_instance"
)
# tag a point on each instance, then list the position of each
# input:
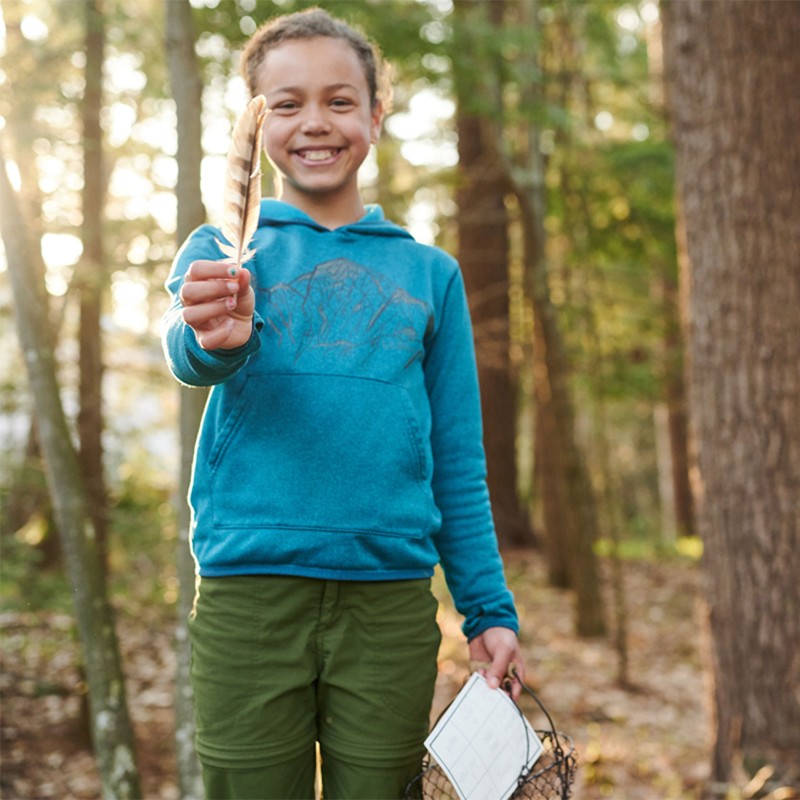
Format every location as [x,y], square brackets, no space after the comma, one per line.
[376,122]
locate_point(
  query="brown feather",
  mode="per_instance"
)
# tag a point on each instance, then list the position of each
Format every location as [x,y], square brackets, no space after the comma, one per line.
[242,195]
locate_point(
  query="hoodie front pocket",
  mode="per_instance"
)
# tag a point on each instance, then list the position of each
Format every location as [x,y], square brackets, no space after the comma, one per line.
[308,451]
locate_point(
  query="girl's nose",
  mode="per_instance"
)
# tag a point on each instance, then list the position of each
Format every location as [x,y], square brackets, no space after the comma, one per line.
[315,122]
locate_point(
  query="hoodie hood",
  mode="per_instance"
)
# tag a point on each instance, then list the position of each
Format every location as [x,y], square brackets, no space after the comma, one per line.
[373,223]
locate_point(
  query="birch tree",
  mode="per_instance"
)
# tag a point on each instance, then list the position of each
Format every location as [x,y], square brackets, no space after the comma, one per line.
[112,732]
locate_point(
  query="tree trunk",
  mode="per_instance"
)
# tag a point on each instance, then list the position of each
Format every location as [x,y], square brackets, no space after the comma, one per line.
[27,494]
[675,390]
[570,512]
[681,511]
[111,727]
[732,72]
[483,253]
[92,282]
[548,472]
[551,489]
[187,90]
[576,519]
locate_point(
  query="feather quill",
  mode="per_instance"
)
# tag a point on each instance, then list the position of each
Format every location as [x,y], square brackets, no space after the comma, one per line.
[242,194]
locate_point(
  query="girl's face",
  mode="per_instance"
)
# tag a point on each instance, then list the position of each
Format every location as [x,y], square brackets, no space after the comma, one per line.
[320,126]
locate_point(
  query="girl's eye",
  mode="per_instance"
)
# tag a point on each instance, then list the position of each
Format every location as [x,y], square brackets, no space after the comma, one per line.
[286,105]
[341,102]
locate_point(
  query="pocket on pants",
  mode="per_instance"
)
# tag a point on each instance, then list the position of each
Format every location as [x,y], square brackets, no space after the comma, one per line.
[405,652]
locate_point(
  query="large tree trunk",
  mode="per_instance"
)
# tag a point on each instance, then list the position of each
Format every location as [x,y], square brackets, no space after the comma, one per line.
[91,282]
[483,252]
[111,727]
[732,71]
[187,90]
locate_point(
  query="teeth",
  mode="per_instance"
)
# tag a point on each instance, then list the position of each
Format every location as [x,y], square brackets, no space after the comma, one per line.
[318,155]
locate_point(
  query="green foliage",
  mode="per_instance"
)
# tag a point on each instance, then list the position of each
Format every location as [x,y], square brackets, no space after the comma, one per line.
[142,567]
[141,557]
[25,585]
[652,548]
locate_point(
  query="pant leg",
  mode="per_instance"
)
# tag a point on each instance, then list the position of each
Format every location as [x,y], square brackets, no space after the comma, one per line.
[289,780]
[253,677]
[344,780]
[376,687]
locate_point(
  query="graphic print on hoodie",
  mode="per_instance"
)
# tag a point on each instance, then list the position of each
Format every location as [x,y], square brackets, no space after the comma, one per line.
[348,309]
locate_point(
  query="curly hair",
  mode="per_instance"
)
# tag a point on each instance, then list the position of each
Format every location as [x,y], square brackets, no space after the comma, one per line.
[309,24]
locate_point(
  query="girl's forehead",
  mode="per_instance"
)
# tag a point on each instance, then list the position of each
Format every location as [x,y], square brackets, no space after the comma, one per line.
[309,62]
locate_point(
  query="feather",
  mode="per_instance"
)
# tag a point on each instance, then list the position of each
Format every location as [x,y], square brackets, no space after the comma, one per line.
[242,195]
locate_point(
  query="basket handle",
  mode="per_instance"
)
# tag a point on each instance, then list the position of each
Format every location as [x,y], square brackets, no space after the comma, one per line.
[558,750]
[513,675]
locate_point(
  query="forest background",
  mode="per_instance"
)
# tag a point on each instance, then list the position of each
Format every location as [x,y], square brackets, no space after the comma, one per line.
[537,141]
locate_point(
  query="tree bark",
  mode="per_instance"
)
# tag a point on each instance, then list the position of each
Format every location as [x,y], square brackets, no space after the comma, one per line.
[112,732]
[732,74]
[91,282]
[187,89]
[675,392]
[548,473]
[483,253]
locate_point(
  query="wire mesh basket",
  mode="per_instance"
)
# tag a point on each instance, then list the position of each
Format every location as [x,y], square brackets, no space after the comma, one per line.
[550,778]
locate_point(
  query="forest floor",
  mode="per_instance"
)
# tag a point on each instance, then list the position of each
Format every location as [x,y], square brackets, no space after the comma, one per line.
[647,740]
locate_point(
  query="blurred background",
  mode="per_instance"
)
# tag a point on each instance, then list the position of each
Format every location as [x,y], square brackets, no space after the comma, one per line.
[532,139]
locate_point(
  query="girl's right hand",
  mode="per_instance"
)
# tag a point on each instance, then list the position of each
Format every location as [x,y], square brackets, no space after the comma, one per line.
[218,304]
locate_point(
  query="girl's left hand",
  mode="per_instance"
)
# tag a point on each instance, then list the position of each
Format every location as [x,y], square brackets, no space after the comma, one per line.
[499,649]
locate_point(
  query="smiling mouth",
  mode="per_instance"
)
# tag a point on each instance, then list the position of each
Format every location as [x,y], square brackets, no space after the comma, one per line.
[318,155]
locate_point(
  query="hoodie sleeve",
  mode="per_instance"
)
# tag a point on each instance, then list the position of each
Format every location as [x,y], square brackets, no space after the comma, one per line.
[187,361]
[466,542]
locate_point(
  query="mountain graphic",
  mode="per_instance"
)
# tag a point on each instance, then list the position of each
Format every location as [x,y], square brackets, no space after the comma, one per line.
[346,308]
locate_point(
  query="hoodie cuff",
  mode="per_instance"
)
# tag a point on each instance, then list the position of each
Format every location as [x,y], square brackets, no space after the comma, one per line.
[219,364]
[499,616]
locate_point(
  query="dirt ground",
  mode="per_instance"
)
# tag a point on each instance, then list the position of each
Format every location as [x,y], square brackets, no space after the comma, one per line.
[649,740]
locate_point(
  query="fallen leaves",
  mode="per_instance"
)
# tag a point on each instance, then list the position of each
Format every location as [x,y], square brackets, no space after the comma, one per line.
[649,740]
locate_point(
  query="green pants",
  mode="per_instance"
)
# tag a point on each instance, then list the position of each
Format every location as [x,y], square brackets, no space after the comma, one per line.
[280,664]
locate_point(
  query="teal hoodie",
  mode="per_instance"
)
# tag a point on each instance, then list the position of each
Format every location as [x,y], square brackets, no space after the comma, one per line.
[343,441]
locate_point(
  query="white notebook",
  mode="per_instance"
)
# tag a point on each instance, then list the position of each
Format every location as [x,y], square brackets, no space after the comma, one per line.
[481,743]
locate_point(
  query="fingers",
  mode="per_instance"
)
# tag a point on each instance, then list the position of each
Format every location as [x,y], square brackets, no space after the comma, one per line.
[204,270]
[218,304]
[500,648]
[504,671]
[216,337]
[200,314]
[208,281]
[499,668]
[223,332]
[517,671]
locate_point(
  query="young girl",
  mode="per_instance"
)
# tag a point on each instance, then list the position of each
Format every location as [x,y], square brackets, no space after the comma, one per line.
[340,455]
